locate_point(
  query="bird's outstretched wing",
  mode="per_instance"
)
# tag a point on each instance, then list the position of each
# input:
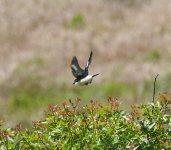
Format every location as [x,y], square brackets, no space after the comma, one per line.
[77,71]
[89,61]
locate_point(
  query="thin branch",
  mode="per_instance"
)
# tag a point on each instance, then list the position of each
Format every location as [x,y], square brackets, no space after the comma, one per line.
[154,90]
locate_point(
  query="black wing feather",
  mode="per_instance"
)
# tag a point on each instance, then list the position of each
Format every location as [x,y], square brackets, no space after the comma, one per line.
[77,71]
[89,61]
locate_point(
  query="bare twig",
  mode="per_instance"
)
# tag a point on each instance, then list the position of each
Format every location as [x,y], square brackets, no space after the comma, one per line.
[154,90]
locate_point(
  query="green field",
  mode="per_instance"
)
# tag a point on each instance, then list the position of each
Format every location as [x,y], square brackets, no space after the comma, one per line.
[27,98]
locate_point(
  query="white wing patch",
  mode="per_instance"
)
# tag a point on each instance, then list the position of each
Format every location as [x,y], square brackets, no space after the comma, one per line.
[87,63]
[74,67]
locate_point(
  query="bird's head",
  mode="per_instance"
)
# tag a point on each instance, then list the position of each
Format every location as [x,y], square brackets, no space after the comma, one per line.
[75,82]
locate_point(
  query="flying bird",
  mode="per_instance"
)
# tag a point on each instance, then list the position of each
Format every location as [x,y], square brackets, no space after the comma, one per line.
[82,75]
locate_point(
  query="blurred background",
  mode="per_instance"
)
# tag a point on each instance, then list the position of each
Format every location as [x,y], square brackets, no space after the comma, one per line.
[131,41]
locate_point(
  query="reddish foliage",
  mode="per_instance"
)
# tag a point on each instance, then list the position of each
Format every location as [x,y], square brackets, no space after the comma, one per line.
[113,102]
[65,104]
[135,110]
[78,100]
[18,127]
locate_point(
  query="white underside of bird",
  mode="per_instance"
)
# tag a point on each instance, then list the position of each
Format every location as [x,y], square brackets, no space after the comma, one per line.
[85,81]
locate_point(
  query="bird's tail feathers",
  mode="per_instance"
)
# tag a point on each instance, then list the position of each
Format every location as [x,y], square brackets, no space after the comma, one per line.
[95,75]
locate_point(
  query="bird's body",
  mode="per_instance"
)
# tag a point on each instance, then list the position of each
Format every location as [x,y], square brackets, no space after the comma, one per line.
[82,76]
[85,81]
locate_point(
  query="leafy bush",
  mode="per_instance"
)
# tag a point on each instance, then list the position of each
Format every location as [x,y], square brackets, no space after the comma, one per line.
[153,56]
[95,126]
[77,21]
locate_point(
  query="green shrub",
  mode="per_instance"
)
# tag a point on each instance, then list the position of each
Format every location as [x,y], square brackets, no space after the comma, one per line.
[95,126]
[77,21]
[153,56]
